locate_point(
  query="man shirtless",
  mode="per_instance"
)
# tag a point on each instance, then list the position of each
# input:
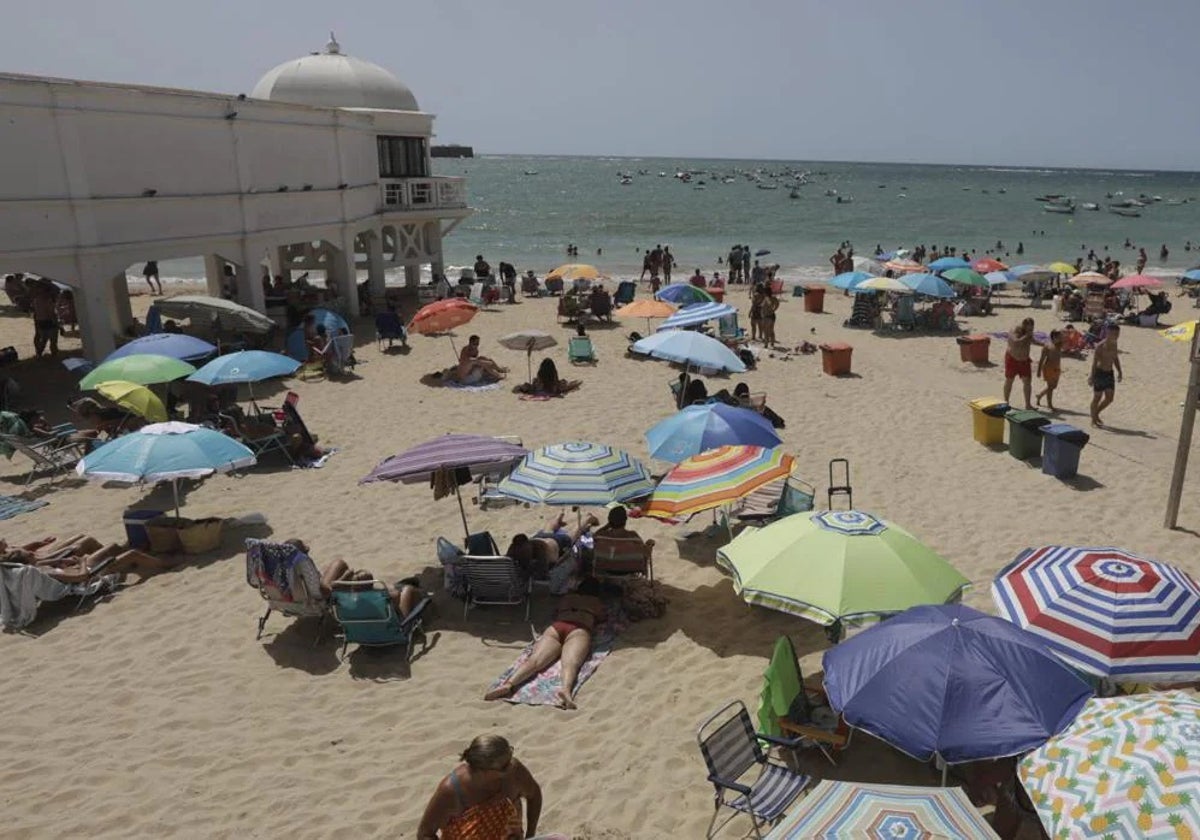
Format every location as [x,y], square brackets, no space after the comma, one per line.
[1105,361]
[1017,360]
[45,318]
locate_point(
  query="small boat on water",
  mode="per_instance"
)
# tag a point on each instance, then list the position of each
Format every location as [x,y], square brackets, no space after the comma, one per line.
[1125,211]
[794,194]
[830,193]
[531,172]
[1059,208]
[1090,205]
[768,186]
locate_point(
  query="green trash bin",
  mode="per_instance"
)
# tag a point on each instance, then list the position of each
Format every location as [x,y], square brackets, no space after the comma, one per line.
[1024,439]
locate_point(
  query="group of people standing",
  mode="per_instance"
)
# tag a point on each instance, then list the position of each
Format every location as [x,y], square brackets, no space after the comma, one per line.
[1018,364]
[658,260]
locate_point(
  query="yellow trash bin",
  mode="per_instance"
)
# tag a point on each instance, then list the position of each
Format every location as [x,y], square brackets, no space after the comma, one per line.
[988,415]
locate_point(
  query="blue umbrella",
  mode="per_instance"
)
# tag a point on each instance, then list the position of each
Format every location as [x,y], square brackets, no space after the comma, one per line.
[244,366]
[689,348]
[165,452]
[1031,272]
[952,682]
[947,263]
[175,345]
[929,285]
[332,321]
[296,345]
[699,428]
[697,313]
[999,278]
[1190,276]
[849,279]
[683,294]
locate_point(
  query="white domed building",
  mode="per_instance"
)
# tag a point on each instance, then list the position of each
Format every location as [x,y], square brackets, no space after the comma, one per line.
[324,168]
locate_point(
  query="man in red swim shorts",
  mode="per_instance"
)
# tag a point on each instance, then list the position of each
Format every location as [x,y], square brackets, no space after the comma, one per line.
[1016,360]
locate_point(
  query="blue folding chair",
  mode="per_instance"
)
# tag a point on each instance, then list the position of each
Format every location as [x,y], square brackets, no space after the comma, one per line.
[389,327]
[365,612]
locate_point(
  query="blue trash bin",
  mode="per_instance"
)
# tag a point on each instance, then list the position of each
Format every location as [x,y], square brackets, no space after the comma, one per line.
[135,527]
[1063,443]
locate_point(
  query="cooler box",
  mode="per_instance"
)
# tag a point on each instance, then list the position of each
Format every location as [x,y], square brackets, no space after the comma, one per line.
[835,358]
[988,414]
[974,348]
[1024,437]
[135,527]
[814,301]
[1063,444]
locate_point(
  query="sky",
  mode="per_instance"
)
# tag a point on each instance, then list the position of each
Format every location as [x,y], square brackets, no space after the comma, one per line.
[1088,83]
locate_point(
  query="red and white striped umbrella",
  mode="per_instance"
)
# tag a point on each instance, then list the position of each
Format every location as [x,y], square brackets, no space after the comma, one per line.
[1106,611]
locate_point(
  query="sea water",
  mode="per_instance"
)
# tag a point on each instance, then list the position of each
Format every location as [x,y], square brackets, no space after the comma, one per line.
[528,209]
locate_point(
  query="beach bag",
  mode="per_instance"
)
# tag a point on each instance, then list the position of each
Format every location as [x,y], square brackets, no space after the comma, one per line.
[201,535]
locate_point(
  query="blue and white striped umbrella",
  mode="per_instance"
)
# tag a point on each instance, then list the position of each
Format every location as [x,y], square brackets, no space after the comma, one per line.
[697,313]
[1106,611]
[577,473]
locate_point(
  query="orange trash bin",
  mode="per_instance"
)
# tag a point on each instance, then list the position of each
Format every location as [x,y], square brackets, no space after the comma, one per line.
[814,299]
[974,348]
[835,359]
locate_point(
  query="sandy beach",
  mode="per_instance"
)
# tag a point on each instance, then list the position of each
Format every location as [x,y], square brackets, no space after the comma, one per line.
[155,713]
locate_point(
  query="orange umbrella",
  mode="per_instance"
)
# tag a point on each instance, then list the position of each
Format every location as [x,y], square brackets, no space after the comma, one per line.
[442,316]
[646,308]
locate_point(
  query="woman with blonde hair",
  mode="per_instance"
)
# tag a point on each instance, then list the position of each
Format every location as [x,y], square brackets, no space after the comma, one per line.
[481,798]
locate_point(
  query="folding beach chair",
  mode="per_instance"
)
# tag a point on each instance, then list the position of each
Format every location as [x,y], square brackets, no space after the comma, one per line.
[52,456]
[626,290]
[23,588]
[389,328]
[293,416]
[731,752]
[580,350]
[288,580]
[776,500]
[728,329]
[276,441]
[369,619]
[495,580]
[791,709]
[617,557]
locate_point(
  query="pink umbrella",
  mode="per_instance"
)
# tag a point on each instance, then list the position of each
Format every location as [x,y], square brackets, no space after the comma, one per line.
[1138,281]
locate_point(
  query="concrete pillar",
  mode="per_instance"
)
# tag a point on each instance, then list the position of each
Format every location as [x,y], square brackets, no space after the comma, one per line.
[214,274]
[121,313]
[412,277]
[249,277]
[343,261]
[281,264]
[95,304]
[376,280]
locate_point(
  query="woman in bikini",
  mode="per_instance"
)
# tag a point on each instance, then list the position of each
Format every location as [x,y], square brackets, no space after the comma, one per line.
[480,799]
[568,638]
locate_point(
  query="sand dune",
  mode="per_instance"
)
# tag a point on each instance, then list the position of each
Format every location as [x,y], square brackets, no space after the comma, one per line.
[156,713]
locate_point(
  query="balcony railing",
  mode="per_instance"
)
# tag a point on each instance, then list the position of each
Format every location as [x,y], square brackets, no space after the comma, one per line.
[424,193]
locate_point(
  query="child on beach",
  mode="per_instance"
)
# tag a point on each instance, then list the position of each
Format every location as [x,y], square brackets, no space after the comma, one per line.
[1050,367]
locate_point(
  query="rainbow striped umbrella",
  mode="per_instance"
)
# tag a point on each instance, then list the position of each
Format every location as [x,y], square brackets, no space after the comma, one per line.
[834,810]
[577,473]
[716,477]
[1105,611]
[1127,767]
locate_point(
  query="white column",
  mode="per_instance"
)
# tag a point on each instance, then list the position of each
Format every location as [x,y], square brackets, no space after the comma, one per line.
[214,274]
[376,280]
[281,265]
[343,260]
[121,313]
[249,277]
[94,305]
[412,277]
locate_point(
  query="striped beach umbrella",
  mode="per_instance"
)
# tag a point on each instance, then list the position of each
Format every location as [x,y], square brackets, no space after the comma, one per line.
[715,478]
[577,473]
[697,313]
[834,810]
[1105,611]
[1127,767]
[882,284]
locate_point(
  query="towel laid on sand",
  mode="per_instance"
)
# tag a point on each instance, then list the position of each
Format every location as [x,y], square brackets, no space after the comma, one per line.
[540,690]
[11,506]
[22,588]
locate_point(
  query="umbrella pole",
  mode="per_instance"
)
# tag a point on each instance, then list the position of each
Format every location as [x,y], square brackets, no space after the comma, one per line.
[175,492]
[462,511]
[529,364]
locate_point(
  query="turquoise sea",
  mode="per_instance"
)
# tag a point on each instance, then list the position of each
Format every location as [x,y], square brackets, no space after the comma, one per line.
[527,210]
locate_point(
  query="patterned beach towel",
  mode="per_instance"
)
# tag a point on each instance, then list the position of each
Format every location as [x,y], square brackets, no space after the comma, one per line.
[11,506]
[540,690]
[458,386]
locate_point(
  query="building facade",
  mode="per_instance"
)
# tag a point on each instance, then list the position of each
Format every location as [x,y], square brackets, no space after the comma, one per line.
[325,166]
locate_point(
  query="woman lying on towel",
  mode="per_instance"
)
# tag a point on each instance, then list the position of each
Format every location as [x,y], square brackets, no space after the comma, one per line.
[404,595]
[568,638]
[77,559]
[480,799]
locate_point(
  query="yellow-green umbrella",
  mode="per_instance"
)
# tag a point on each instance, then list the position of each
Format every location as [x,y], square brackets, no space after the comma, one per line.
[1061,267]
[140,368]
[1180,332]
[882,284]
[136,398]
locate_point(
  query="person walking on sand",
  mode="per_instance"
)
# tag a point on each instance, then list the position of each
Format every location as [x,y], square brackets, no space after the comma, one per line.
[1106,373]
[150,272]
[1017,362]
[1049,368]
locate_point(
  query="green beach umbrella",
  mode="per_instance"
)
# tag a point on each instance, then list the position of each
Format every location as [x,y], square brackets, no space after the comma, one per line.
[837,565]
[140,368]
[966,277]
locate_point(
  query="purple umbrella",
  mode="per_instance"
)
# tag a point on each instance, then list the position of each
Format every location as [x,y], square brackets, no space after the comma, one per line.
[952,682]
[475,453]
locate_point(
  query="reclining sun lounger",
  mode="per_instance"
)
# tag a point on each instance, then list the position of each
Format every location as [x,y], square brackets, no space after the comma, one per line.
[24,587]
[368,618]
[288,581]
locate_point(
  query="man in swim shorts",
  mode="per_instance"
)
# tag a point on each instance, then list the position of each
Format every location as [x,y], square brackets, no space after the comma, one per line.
[1106,372]
[1017,362]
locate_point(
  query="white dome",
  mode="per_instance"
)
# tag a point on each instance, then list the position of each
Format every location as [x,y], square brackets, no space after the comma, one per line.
[333,80]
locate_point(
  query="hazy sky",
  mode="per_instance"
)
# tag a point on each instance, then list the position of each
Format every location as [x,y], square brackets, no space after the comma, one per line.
[1052,82]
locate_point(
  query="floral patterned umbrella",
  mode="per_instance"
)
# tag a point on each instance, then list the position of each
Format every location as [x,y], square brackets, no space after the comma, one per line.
[1127,767]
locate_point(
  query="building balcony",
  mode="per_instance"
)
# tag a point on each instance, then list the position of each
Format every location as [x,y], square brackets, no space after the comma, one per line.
[435,193]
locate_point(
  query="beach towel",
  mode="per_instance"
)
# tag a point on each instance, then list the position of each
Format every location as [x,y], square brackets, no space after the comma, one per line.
[534,397]
[781,685]
[317,463]
[22,588]
[446,378]
[11,506]
[540,690]
[285,571]
[458,386]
